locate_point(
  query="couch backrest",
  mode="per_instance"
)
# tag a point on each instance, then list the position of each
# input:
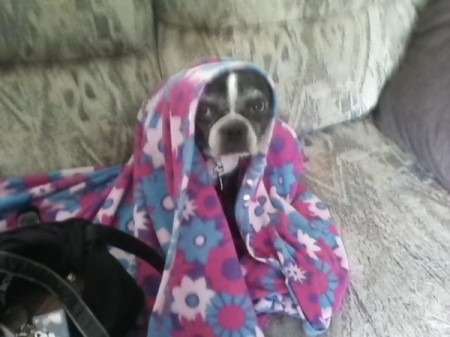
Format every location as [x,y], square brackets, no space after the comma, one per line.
[47,30]
[73,75]
[330,58]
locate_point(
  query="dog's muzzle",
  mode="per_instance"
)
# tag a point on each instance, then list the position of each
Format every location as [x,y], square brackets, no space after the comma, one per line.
[232,135]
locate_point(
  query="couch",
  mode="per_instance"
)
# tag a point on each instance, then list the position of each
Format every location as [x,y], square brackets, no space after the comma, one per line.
[73,74]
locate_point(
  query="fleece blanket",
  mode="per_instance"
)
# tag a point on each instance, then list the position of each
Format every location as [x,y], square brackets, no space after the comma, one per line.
[295,262]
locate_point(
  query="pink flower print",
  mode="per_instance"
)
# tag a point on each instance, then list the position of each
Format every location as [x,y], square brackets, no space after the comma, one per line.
[42,190]
[208,203]
[224,271]
[232,316]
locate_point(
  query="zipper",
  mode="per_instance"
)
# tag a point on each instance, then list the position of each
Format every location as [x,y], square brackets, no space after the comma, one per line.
[218,171]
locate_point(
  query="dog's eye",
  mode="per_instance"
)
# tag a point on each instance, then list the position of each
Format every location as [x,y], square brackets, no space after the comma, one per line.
[259,106]
[204,111]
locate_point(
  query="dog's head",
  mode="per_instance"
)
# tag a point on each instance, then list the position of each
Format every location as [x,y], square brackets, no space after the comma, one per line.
[234,113]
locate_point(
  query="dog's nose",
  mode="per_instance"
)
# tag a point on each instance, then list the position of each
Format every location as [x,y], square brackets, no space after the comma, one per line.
[234,131]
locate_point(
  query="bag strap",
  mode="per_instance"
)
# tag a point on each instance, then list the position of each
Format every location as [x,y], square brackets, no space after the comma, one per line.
[109,235]
[117,238]
[79,312]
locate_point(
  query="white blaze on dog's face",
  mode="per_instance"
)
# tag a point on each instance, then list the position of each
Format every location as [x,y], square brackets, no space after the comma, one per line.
[234,113]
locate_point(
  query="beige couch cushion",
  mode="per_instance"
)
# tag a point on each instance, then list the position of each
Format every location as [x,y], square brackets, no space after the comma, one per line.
[329,58]
[37,30]
[72,114]
[75,73]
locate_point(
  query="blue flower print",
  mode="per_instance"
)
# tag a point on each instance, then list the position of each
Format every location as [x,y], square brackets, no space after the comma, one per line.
[162,215]
[232,316]
[307,195]
[327,299]
[161,326]
[156,182]
[285,249]
[198,169]
[190,154]
[126,217]
[323,231]
[298,221]
[198,239]
[271,281]
[283,179]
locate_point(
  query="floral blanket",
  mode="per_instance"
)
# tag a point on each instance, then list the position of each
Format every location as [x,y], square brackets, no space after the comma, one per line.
[295,261]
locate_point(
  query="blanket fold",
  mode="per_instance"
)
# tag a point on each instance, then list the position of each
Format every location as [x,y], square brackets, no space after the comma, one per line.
[295,262]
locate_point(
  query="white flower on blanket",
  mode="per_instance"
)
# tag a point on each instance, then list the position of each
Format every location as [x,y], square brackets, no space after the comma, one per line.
[326,316]
[291,308]
[193,111]
[340,252]
[5,189]
[176,133]
[151,147]
[3,225]
[77,188]
[189,209]
[163,236]
[295,273]
[309,243]
[260,209]
[51,205]
[111,204]
[191,298]
[64,214]
[41,190]
[140,221]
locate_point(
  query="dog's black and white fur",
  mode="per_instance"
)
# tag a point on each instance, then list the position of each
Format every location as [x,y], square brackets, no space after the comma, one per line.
[234,114]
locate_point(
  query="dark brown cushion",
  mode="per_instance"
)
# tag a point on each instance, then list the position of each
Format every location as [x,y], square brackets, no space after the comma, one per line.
[414,108]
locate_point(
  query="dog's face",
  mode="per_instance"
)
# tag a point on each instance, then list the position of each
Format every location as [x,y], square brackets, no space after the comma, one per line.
[234,113]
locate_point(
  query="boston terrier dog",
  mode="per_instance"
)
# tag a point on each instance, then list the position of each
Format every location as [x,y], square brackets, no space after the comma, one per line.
[233,115]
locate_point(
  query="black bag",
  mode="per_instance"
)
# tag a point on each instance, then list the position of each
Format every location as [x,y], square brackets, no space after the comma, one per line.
[67,265]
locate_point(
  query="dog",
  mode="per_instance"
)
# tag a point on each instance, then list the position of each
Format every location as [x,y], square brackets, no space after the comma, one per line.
[234,113]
